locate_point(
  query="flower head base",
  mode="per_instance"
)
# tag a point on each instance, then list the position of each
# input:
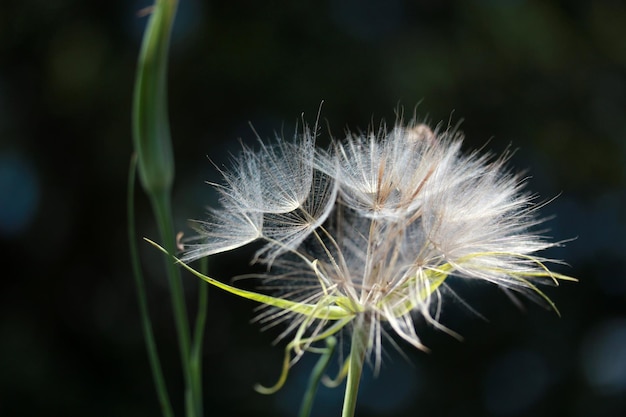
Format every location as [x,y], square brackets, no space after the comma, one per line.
[367,233]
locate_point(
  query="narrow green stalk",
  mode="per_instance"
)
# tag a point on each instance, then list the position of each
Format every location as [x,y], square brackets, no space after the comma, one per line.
[358,349]
[198,338]
[153,355]
[161,206]
[153,145]
[151,130]
[316,376]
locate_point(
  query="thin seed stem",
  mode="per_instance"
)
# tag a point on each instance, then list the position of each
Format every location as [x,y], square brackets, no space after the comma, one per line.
[316,376]
[358,349]
[148,333]
[161,205]
[198,339]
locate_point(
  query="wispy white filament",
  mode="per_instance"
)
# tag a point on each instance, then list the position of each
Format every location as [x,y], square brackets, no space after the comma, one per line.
[370,223]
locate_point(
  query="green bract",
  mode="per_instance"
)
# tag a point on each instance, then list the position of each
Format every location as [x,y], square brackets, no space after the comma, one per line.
[151,132]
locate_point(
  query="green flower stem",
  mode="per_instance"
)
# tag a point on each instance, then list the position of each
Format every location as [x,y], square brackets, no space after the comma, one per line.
[152,141]
[316,376]
[161,205]
[198,338]
[358,349]
[151,131]
[153,355]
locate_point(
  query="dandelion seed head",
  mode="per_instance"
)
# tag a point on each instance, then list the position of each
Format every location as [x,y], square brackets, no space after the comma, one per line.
[372,227]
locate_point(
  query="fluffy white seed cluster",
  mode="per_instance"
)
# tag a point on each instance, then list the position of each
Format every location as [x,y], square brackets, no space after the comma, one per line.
[374,226]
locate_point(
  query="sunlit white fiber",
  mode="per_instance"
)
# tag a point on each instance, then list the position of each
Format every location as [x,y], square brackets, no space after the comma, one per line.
[372,227]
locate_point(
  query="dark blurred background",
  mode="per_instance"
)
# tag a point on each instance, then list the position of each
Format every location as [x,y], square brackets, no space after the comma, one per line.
[544,77]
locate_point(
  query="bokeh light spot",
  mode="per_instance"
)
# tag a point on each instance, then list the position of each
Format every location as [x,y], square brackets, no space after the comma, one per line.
[604,357]
[515,382]
[368,20]
[19,194]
